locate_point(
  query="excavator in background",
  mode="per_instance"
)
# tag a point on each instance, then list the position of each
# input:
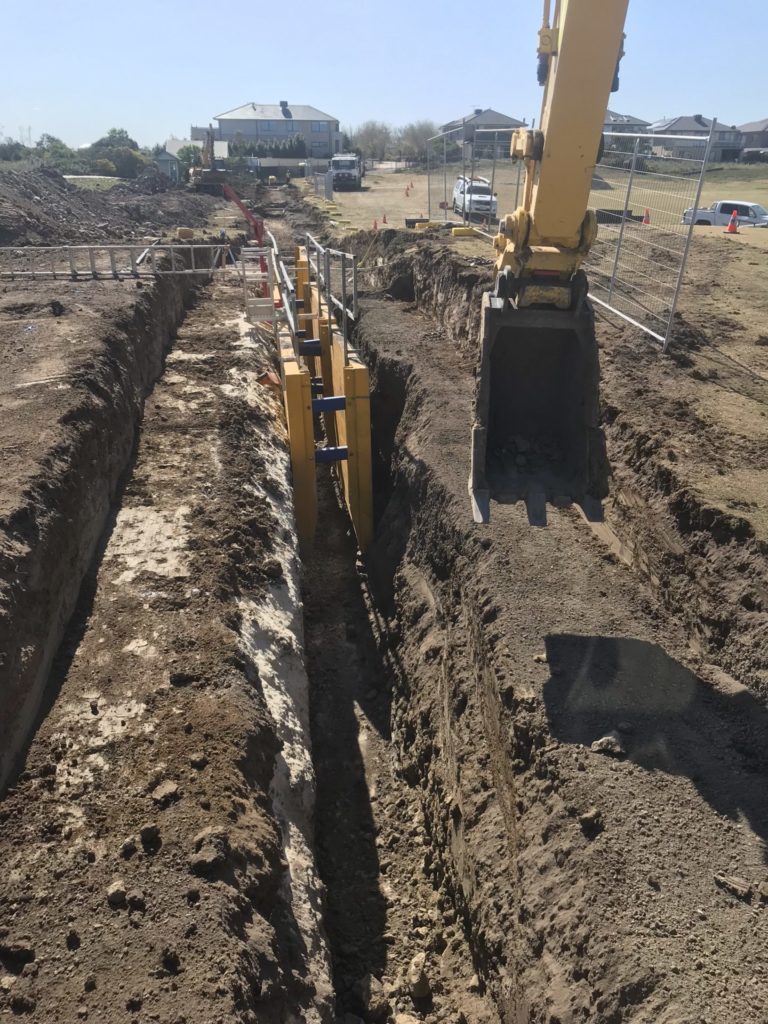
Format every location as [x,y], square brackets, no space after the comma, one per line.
[536,434]
[205,177]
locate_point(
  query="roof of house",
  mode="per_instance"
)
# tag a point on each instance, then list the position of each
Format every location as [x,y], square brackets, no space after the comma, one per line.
[484,119]
[612,118]
[220,149]
[755,126]
[274,112]
[166,156]
[686,125]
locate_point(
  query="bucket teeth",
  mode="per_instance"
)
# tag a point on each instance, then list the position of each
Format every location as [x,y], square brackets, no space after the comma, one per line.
[536,435]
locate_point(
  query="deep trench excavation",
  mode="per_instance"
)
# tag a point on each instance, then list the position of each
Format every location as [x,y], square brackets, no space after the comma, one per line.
[480,774]
[395,941]
[165,785]
[587,780]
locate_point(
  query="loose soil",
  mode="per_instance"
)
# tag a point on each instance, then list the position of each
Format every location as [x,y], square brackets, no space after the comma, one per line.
[151,787]
[373,846]
[639,878]
[43,208]
[465,854]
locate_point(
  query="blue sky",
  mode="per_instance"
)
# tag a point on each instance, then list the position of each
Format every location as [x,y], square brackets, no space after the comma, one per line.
[154,67]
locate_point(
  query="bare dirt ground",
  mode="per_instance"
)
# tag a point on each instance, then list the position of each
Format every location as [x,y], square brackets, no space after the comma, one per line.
[391,810]
[639,878]
[374,852]
[168,779]
[42,208]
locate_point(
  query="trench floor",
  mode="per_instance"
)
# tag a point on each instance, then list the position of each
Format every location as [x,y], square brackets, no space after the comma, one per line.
[372,846]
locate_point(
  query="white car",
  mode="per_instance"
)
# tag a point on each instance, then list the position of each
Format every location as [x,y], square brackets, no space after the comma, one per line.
[473,196]
[719,213]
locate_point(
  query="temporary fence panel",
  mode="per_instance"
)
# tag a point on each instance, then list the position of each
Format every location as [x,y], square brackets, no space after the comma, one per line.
[473,153]
[642,187]
[104,262]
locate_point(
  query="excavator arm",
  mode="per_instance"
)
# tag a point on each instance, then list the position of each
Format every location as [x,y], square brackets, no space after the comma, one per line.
[536,432]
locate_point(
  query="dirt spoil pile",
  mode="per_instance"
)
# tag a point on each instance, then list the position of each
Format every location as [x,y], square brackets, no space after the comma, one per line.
[43,208]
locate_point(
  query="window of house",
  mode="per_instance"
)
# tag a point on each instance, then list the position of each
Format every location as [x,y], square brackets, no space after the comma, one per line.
[266,126]
[319,126]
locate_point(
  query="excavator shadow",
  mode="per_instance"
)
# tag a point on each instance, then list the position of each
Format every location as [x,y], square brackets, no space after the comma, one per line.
[666,718]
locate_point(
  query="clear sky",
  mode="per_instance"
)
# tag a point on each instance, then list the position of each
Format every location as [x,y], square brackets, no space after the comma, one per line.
[75,69]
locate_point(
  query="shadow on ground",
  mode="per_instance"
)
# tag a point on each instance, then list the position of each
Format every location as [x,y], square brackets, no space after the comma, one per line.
[669,719]
[344,672]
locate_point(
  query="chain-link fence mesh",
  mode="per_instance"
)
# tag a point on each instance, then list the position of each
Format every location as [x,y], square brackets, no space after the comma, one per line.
[482,157]
[641,191]
[642,187]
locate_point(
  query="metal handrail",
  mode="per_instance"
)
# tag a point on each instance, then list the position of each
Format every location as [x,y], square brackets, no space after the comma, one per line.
[61,261]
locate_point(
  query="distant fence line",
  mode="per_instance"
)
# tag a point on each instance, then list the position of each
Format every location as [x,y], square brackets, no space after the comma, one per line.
[641,189]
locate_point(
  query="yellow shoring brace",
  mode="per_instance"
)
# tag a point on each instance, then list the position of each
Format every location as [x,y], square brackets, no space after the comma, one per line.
[301,440]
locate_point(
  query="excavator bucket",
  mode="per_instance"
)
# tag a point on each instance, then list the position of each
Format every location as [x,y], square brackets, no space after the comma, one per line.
[536,434]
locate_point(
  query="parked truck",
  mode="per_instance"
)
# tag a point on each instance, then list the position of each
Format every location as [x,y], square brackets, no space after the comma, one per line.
[720,212]
[348,171]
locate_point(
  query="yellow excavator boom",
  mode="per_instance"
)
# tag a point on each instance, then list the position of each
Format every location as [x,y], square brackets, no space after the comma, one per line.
[536,429]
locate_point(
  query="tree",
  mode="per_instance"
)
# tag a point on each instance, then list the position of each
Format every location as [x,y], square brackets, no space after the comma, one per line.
[190,156]
[105,167]
[116,138]
[12,150]
[372,139]
[121,150]
[412,139]
[57,154]
[53,148]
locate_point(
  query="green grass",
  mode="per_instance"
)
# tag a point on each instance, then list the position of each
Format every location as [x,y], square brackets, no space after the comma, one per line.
[736,181]
[665,196]
[94,182]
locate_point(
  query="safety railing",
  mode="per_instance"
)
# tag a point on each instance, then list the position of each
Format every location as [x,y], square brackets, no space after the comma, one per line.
[105,262]
[310,302]
[258,272]
[335,273]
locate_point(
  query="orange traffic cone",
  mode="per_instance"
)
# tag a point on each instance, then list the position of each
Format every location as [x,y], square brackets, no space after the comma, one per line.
[647,217]
[375,224]
[384,218]
[733,224]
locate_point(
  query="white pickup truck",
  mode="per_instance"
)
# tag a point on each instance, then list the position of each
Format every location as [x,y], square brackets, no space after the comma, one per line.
[749,214]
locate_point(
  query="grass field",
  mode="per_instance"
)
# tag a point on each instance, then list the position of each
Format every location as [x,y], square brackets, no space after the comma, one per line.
[736,181]
[94,182]
[384,194]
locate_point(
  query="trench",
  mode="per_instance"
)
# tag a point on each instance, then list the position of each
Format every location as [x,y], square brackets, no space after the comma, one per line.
[67,513]
[175,699]
[347,680]
[387,899]
[510,651]
[454,815]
